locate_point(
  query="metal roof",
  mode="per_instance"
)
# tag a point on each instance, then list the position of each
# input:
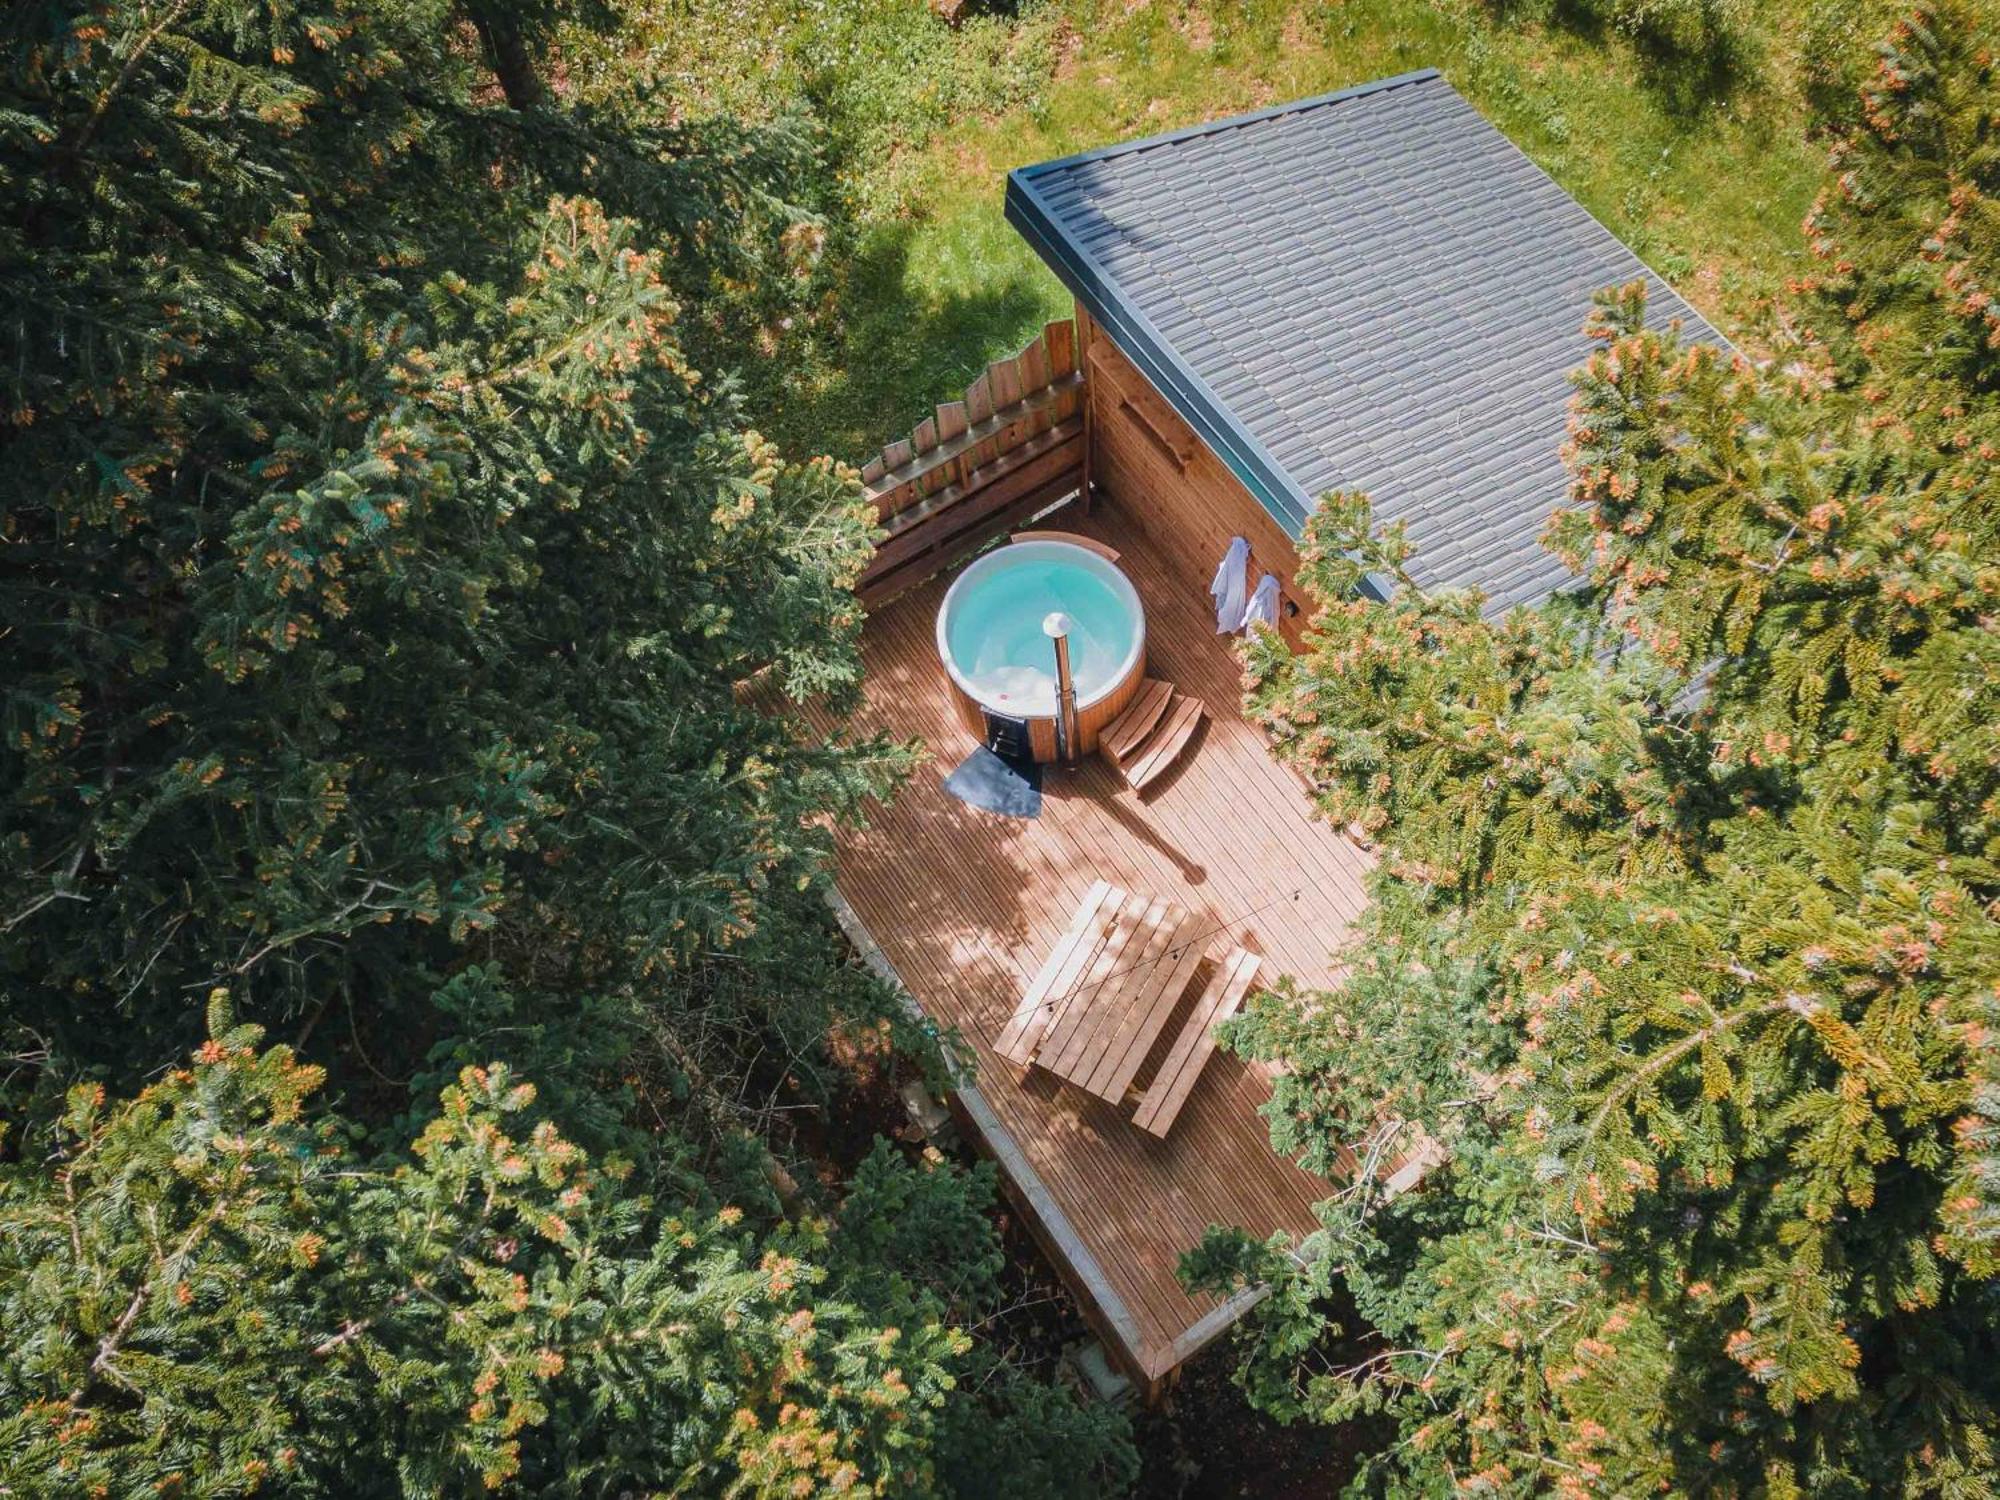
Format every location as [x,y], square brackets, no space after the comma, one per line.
[1370,290]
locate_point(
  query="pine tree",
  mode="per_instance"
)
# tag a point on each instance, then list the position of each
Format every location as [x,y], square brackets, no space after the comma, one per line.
[484,1312]
[1685,941]
[402,639]
[388,590]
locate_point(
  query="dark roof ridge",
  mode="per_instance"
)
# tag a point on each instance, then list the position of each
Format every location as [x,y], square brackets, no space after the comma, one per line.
[1229,122]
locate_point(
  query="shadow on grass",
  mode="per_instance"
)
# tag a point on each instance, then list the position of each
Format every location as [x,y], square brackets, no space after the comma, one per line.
[900,347]
[1692,57]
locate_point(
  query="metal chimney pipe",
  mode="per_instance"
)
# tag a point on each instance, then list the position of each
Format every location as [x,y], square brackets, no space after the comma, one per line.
[1056,626]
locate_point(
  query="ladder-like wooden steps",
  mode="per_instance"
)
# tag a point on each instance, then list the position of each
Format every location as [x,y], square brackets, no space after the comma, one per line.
[1163,746]
[1141,743]
[1220,999]
[1125,733]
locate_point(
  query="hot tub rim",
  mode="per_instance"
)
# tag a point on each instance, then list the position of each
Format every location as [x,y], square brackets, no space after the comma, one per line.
[1103,566]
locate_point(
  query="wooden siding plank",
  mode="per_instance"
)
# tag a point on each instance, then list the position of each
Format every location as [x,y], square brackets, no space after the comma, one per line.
[1032,363]
[979,399]
[1059,338]
[1064,440]
[1191,509]
[995,515]
[1003,376]
[984,437]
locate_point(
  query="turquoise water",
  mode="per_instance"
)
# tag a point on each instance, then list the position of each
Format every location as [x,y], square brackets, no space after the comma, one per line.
[994,632]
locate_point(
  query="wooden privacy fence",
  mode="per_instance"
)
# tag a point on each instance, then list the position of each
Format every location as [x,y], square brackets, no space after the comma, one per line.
[1013,447]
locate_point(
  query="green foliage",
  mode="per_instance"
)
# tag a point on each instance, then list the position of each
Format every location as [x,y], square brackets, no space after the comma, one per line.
[1836,49]
[1024,1439]
[1707,32]
[1685,941]
[918,1241]
[1906,233]
[881,77]
[1696,159]
[489,1309]
[922,1233]
[405,638]
[439,569]
[572,1045]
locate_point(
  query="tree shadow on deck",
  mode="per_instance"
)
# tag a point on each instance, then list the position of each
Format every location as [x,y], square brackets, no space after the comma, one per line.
[1132,817]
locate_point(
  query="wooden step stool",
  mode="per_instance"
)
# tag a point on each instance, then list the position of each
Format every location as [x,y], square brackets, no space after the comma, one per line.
[1141,743]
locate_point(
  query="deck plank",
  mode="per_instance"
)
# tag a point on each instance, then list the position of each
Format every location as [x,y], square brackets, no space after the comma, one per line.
[967,907]
[1151,1010]
[1079,1060]
[1079,1003]
[1023,1033]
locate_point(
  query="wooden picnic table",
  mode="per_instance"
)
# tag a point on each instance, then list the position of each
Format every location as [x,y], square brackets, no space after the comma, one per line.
[1107,990]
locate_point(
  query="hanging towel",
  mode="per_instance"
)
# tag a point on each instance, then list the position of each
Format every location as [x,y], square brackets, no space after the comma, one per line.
[1263,606]
[1228,587]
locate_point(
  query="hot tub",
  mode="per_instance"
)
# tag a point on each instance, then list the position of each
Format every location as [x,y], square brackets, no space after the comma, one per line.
[1001,662]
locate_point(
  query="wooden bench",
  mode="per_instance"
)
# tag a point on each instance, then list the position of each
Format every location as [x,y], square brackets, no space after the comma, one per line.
[1220,999]
[1127,1008]
[1106,991]
[1056,980]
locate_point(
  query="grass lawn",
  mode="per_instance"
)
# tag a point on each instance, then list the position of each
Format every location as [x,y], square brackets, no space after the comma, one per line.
[1706,178]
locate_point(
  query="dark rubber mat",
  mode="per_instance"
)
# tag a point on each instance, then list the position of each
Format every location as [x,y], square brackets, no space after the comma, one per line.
[997,784]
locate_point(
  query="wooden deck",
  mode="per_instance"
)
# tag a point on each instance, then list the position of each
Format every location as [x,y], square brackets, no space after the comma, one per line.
[964,905]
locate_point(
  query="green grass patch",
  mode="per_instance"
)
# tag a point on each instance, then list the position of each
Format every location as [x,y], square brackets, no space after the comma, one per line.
[1705,170]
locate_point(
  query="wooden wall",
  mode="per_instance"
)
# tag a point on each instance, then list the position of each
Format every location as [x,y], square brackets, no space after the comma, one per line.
[1166,482]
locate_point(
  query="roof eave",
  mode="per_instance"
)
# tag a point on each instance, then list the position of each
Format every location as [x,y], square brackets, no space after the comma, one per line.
[1155,357]
[1089,282]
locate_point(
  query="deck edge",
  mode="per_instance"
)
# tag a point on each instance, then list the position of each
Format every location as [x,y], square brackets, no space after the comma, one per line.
[1082,1263]
[1210,1326]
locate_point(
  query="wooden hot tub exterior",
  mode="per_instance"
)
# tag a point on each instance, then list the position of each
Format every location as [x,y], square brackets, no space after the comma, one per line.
[1093,718]
[1090,722]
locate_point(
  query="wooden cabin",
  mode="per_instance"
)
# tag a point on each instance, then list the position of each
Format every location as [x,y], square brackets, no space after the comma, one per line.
[1371,290]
